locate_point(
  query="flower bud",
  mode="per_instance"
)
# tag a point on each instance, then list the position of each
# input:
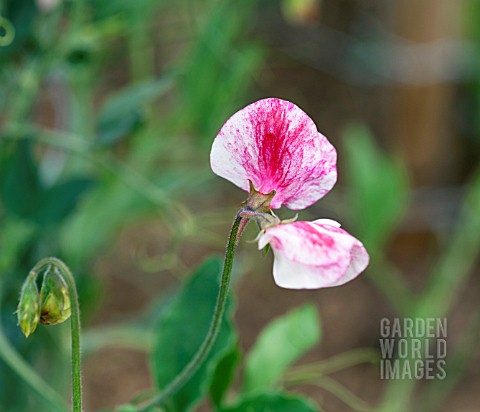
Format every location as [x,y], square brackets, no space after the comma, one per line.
[29,306]
[55,299]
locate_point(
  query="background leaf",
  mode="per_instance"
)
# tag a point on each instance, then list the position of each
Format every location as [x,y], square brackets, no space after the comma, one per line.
[19,182]
[282,342]
[274,402]
[122,112]
[223,376]
[181,330]
[378,186]
[59,201]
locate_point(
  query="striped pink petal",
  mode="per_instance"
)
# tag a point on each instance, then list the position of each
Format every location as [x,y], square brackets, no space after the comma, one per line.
[311,255]
[277,146]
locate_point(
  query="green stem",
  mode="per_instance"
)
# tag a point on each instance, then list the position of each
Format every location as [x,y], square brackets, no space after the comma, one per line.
[212,333]
[75,326]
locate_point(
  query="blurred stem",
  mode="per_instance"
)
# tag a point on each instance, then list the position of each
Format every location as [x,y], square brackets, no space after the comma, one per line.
[342,393]
[129,176]
[390,282]
[141,50]
[332,364]
[78,14]
[11,358]
[433,396]
[126,336]
[444,284]
[75,326]
[212,333]
[82,97]
[31,77]
[458,260]
[81,115]
[29,83]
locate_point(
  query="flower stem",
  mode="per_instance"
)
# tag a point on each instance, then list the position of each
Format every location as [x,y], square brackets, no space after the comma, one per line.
[196,361]
[75,326]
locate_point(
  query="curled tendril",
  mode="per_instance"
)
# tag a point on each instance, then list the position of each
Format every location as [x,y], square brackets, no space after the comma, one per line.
[7,32]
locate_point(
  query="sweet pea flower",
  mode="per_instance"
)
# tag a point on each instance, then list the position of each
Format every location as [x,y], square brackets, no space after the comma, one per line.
[272,149]
[276,146]
[311,255]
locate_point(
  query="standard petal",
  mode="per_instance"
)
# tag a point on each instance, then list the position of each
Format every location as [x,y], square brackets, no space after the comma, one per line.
[311,255]
[276,145]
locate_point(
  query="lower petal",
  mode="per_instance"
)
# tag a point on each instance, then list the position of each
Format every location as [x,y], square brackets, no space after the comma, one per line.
[358,263]
[293,275]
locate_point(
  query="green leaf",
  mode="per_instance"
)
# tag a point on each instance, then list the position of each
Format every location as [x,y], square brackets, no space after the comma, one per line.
[126,408]
[181,330]
[141,8]
[16,238]
[19,183]
[266,249]
[378,187]
[273,402]
[223,376]
[58,202]
[281,343]
[122,112]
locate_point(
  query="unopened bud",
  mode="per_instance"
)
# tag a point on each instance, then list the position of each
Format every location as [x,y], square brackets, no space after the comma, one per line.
[28,311]
[55,299]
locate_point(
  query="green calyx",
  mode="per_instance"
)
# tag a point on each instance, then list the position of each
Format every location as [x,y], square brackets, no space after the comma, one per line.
[257,207]
[258,202]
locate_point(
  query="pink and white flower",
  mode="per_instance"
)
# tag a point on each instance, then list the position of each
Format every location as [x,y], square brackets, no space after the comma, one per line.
[272,149]
[311,255]
[276,146]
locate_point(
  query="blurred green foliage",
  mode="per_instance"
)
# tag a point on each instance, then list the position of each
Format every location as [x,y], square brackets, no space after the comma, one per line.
[98,131]
[379,192]
[223,376]
[277,402]
[96,134]
[378,195]
[281,343]
[175,345]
